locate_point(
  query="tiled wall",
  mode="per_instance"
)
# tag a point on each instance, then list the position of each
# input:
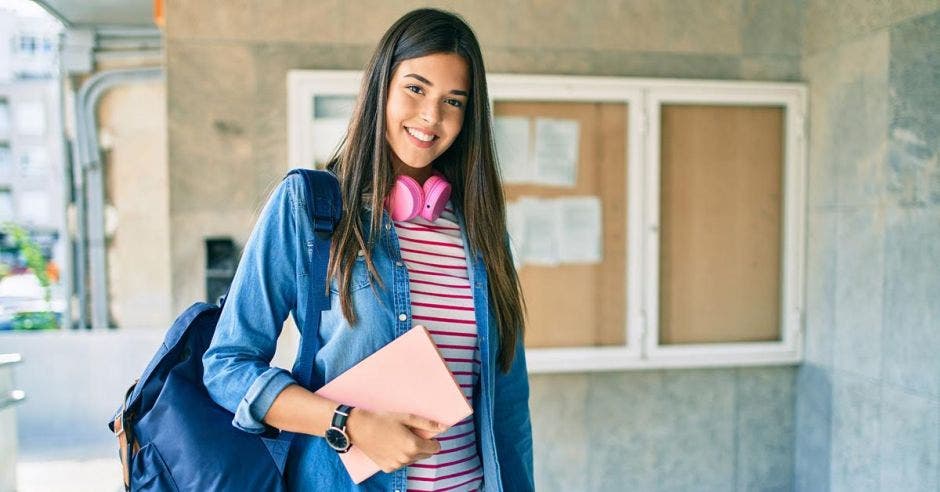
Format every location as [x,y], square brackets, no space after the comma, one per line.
[868,396]
[708,429]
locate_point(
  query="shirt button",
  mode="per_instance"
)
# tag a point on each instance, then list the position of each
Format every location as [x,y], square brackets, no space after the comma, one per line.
[402,317]
[388,226]
[397,263]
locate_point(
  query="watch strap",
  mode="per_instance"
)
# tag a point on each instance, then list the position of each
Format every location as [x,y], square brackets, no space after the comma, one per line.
[340,415]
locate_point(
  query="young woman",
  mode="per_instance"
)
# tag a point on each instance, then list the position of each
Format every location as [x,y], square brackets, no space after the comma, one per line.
[421,129]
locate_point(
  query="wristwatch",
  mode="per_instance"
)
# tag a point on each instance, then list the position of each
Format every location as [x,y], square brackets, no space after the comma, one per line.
[336,435]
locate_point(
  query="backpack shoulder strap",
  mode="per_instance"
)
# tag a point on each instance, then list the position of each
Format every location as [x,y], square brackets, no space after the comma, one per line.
[325,208]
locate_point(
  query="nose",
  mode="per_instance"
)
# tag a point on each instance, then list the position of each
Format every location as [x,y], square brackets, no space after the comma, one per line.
[430,111]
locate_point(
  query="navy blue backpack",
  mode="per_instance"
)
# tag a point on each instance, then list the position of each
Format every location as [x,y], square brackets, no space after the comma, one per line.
[169,409]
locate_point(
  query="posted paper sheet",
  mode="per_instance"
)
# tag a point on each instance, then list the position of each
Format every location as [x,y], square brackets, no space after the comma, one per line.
[513,145]
[554,231]
[579,239]
[556,151]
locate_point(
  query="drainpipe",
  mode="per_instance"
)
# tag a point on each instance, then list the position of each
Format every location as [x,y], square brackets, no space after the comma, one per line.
[82,47]
[87,162]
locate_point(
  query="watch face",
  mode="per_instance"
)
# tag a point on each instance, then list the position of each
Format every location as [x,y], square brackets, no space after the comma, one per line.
[337,439]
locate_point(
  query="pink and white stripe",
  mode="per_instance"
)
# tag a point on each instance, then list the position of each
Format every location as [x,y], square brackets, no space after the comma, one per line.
[442,301]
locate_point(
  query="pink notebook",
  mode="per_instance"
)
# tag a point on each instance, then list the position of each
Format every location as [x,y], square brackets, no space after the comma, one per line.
[407,375]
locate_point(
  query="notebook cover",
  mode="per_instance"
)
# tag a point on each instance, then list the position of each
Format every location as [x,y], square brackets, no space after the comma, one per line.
[408,375]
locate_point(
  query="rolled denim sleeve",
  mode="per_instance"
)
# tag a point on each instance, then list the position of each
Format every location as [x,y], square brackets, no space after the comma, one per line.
[512,425]
[237,364]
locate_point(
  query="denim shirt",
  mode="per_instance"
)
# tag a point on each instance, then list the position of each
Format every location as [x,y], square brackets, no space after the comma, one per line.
[272,281]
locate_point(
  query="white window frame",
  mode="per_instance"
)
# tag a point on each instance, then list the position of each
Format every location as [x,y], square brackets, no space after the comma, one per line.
[643,98]
[302,87]
[792,97]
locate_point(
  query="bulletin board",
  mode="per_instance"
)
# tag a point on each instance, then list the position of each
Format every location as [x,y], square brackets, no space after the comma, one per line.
[721,223]
[581,305]
[699,192]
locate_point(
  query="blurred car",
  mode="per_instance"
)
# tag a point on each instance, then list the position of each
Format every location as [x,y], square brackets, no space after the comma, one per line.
[23,305]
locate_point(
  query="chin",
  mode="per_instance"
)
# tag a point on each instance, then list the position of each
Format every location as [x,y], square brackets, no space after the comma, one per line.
[415,164]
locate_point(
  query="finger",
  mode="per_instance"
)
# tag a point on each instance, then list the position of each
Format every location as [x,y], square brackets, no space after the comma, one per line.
[419,458]
[419,422]
[430,446]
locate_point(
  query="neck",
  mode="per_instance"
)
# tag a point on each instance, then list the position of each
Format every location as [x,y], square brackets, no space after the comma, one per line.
[420,174]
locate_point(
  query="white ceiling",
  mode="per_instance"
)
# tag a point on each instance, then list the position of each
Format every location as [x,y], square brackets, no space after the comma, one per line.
[75,13]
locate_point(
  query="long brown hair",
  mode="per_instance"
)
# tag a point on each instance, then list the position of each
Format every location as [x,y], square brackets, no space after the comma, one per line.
[363,165]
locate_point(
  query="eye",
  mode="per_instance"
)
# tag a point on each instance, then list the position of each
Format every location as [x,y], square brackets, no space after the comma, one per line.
[455,103]
[413,88]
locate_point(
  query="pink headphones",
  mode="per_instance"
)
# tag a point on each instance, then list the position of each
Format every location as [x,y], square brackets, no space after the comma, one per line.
[408,199]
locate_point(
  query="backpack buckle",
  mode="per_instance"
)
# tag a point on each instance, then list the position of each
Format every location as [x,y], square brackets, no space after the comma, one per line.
[325,218]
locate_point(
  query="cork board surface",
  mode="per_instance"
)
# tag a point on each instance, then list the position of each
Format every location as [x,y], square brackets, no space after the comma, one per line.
[721,217]
[573,305]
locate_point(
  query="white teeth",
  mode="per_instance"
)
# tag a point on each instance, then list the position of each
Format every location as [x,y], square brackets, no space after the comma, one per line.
[424,137]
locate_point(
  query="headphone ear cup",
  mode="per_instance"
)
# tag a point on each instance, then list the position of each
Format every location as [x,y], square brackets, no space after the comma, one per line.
[436,193]
[406,198]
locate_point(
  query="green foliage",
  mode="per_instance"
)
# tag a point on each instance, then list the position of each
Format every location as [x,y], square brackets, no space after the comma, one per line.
[39,320]
[37,265]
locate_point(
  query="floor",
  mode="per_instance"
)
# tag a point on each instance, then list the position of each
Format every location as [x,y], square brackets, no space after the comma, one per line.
[96,475]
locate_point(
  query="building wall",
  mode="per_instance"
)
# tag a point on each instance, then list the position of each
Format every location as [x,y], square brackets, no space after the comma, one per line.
[868,395]
[28,85]
[715,429]
[132,129]
[35,158]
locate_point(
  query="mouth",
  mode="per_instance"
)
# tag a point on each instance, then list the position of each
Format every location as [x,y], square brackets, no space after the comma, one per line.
[420,138]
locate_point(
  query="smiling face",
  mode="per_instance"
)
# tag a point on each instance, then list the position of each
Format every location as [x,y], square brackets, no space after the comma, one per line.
[427,98]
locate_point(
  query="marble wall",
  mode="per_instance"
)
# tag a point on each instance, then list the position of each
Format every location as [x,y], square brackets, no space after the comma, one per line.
[702,429]
[868,396]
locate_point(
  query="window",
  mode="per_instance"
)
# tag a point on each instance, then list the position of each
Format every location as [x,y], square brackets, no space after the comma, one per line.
[4,118]
[319,109]
[33,161]
[330,117]
[6,206]
[35,208]
[27,44]
[31,118]
[6,158]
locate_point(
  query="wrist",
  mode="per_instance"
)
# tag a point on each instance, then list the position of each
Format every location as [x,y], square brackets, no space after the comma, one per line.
[353,423]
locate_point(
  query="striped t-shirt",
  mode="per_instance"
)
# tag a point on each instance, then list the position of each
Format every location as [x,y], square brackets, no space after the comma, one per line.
[442,301]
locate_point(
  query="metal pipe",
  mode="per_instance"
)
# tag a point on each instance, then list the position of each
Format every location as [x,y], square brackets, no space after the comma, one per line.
[155,55]
[115,31]
[81,233]
[90,162]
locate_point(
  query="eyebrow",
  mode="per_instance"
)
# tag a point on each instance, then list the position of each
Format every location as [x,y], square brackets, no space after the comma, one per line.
[426,81]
